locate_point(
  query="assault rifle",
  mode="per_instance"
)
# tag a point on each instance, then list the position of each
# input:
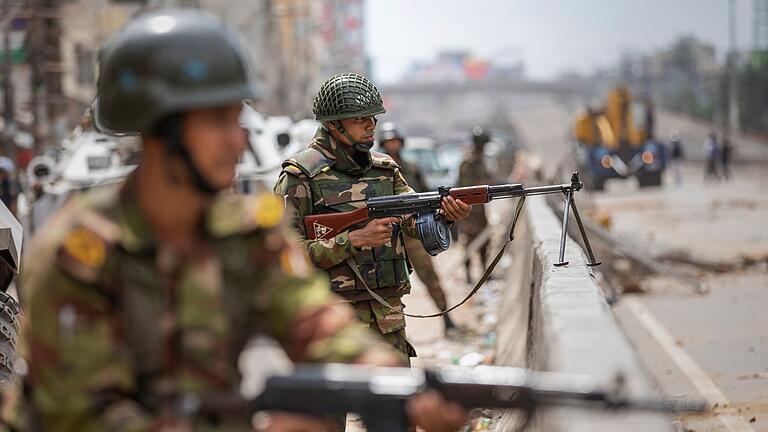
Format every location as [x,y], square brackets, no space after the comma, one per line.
[432,227]
[379,395]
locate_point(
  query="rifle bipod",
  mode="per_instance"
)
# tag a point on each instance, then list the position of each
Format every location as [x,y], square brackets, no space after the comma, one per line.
[570,204]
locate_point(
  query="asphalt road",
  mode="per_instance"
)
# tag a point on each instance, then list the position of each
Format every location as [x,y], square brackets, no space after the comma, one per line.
[712,346]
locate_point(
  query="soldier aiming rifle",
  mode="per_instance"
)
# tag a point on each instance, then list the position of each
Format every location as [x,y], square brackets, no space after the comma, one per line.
[338,172]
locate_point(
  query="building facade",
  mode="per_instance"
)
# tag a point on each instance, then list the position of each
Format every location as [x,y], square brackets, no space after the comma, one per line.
[294,44]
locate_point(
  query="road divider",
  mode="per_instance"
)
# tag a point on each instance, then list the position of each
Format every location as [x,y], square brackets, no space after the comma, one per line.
[557,319]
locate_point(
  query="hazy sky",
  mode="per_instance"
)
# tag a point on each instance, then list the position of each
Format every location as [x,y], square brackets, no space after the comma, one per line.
[550,36]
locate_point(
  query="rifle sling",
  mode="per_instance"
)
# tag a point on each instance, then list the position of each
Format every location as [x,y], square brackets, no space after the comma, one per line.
[475,289]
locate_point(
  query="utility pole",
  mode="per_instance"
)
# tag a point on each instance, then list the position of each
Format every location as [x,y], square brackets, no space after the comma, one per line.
[733,85]
[8,96]
[7,15]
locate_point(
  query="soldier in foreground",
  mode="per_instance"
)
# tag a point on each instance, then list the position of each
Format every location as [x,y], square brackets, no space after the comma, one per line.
[139,299]
[472,172]
[338,172]
[392,142]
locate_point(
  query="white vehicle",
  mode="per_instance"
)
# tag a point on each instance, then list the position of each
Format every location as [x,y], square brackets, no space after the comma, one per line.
[271,141]
[96,160]
[88,160]
[422,152]
[302,133]
[260,164]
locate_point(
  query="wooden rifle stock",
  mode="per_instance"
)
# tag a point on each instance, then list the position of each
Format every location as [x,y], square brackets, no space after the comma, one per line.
[328,225]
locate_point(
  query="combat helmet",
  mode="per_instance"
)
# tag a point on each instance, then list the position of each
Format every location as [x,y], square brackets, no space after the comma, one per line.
[167,62]
[480,136]
[347,95]
[390,131]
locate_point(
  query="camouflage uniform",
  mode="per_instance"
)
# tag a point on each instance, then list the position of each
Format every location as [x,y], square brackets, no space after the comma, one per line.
[324,179]
[473,172]
[125,334]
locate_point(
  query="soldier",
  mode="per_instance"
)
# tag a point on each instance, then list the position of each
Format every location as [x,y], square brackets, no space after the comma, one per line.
[392,141]
[473,172]
[141,297]
[338,172]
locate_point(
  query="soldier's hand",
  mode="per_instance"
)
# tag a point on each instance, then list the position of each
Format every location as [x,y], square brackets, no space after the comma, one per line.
[377,232]
[433,413]
[455,210]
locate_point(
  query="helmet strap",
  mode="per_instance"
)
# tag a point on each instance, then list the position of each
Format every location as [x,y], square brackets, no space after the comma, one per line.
[171,130]
[342,130]
[363,147]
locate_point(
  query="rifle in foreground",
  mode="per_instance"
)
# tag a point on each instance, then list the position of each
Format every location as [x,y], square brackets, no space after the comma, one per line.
[379,395]
[431,224]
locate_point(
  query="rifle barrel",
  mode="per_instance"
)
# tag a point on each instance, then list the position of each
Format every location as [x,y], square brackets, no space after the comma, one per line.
[517,190]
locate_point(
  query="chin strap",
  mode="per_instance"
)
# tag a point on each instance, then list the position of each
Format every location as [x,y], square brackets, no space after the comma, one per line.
[172,132]
[359,146]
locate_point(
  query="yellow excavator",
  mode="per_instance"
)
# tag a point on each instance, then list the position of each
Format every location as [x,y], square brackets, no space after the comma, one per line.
[616,141]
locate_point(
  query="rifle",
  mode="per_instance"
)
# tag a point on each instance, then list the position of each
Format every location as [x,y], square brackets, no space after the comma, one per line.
[433,229]
[379,395]
[431,225]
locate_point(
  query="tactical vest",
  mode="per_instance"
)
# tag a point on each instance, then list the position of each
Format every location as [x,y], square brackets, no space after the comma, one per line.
[384,268]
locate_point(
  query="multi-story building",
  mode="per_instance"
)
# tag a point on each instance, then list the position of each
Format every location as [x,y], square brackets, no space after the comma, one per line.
[294,45]
[684,76]
[315,39]
[462,66]
[87,24]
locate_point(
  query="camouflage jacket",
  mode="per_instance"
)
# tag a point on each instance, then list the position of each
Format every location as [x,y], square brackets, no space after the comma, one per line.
[473,172]
[122,329]
[325,179]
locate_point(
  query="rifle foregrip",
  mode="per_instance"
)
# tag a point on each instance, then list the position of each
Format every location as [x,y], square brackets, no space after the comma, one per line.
[471,195]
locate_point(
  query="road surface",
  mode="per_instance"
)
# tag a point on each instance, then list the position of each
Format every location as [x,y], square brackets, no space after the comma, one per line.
[712,346]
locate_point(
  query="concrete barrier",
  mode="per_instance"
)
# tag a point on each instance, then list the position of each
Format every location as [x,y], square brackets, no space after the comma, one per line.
[557,319]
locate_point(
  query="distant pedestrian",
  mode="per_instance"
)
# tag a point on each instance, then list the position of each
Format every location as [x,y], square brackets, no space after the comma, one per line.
[676,151]
[726,152]
[474,171]
[712,153]
[9,190]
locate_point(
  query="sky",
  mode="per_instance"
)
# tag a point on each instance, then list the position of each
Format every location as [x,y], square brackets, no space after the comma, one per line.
[550,36]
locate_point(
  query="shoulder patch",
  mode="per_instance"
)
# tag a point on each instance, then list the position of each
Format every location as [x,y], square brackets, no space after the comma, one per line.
[309,161]
[382,160]
[84,251]
[238,214]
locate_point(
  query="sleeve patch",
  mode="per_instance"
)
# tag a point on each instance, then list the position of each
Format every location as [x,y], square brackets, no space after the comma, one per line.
[83,254]
[269,211]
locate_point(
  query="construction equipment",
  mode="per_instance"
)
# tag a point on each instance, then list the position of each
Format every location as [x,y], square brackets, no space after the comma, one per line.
[617,141]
